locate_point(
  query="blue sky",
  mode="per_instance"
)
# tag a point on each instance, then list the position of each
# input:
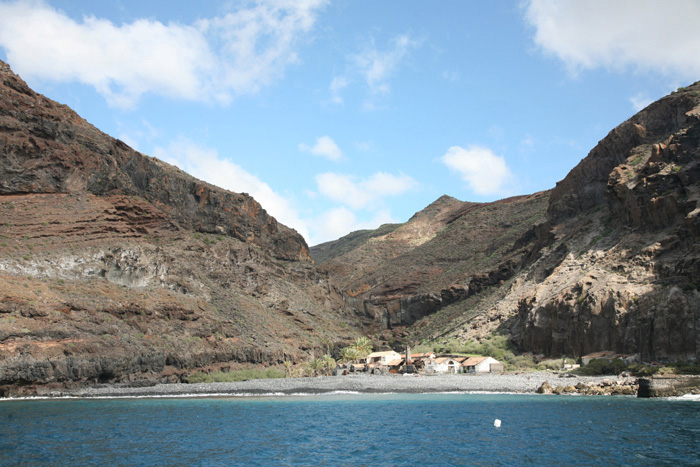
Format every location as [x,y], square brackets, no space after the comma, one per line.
[341,115]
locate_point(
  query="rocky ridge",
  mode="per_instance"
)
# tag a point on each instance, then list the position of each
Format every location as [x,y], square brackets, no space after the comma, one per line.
[608,260]
[48,148]
[445,254]
[116,267]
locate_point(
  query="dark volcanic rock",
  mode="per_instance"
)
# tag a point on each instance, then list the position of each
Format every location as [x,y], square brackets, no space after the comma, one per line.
[47,148]
[116,267]
[613,264]
[633,286]
[645,136]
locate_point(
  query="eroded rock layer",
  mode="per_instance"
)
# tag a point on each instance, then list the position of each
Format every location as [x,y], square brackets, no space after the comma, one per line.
[116,267]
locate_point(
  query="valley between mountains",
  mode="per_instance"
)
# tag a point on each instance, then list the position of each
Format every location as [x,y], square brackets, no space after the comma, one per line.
[116,267]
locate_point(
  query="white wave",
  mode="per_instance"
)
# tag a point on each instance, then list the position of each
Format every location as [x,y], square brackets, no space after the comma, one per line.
[686,397]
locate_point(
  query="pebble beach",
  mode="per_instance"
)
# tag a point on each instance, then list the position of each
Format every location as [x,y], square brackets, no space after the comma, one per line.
[370,384]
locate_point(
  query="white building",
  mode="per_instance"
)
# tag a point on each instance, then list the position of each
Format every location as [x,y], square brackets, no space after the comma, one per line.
[442,365]
[481,365]
[383,358]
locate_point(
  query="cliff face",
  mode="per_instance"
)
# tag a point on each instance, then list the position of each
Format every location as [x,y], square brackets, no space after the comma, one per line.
[630,153]
[627,218]
[48,148]
[608,260]
[446,253]
[116,267]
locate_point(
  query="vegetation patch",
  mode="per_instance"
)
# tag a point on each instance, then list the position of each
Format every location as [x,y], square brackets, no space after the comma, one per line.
[686,368]
[600,366]
[235,376]
[639,369]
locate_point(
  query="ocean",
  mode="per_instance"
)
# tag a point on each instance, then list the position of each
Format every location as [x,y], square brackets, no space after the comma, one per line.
[352,430]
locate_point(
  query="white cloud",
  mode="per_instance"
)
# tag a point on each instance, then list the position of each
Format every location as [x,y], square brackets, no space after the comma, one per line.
[376,66]
[337,85]
[640,101]
[485,172]
[205,164]
[324,147]
[364,193]
[212,60]
[647,35]
[373,66]
[340,221]
[335,223]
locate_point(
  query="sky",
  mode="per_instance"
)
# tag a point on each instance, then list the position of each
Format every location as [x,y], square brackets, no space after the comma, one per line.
[345,115]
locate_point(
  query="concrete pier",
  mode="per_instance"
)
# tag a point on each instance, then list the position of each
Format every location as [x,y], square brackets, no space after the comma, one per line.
[667,386]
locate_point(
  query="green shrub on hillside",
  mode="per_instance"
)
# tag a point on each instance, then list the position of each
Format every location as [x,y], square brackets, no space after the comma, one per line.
[550,364]
[600,366]
[639,369]
[686,368]
[522,362]
[496,346]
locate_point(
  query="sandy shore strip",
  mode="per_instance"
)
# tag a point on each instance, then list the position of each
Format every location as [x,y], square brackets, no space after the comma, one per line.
[370,384]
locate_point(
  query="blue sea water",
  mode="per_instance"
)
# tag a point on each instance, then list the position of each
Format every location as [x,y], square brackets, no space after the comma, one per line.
[351,430]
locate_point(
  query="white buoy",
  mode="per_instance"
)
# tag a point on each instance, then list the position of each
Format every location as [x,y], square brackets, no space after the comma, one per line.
[497,423]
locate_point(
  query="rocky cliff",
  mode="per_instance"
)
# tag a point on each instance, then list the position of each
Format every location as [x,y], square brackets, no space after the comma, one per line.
[607,260]
[116,267]
[444,254]
[625,223]
[48,148]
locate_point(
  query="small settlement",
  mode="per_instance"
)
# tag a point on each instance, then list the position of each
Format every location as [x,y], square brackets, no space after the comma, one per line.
[426,363]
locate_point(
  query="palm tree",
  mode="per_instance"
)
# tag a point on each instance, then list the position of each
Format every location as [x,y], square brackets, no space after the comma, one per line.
[316,366]
[328,364]
[363,346]
[349,354]
[288,370]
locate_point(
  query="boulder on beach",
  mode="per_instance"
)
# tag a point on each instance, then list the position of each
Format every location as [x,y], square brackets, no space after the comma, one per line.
[545,388]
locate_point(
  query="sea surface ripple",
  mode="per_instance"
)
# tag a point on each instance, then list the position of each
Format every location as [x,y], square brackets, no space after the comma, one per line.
[352,430]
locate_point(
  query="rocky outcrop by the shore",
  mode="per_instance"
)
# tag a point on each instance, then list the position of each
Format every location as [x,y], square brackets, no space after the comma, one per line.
[606,387]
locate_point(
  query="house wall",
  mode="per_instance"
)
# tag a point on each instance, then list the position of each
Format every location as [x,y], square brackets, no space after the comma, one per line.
[485,366]
[449,366]
[384,359]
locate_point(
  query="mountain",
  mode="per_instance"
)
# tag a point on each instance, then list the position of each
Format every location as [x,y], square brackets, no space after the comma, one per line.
[608,259]
[443,254]
[117,267]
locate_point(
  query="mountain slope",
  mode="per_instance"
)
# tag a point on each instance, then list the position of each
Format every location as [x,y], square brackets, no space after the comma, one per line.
[442,255]
[48,148]
[627,216]
[117,267]
[609,259]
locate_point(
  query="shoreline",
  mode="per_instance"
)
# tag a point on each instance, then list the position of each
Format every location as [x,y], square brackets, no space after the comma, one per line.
[508,383]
